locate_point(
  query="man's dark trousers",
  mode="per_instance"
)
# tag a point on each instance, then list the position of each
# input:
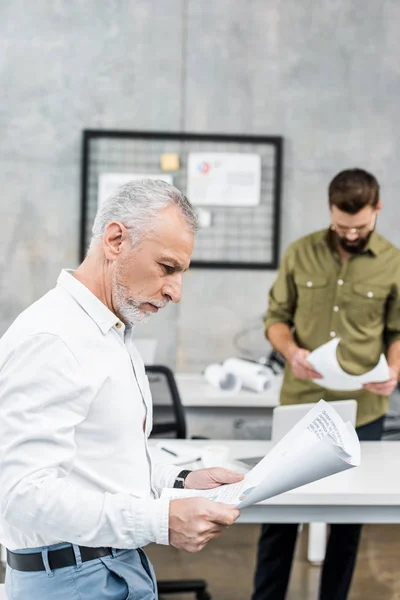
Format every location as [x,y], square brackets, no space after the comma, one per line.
[277,542]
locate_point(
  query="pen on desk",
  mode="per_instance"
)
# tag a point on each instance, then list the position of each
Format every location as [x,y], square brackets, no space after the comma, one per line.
[169,451]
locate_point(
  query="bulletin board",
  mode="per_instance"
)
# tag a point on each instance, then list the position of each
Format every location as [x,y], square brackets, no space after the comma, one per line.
[233,234]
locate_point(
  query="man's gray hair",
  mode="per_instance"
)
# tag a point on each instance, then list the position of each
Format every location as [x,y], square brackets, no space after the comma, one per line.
[136,205]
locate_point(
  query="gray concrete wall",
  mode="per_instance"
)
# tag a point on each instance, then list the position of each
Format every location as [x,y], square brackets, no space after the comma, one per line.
[325,74]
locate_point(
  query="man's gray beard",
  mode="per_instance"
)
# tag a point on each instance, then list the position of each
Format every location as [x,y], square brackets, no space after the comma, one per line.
[131,314]
[129,308]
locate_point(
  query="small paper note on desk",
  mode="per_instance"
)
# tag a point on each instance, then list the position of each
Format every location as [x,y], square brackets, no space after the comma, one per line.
[175,453]
[319,445]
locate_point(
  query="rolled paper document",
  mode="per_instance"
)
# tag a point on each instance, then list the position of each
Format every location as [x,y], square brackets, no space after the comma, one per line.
[222,378]
[253,376]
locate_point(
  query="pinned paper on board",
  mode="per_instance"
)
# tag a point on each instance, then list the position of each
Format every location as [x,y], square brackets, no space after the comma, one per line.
[109,182]
[324,360]
[224,178]
[169,161]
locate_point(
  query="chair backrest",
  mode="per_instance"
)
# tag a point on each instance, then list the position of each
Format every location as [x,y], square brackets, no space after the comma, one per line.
[391,427]
[285,417]
[168,414]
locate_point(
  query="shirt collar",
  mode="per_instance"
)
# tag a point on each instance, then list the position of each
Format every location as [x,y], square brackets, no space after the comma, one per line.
[104,318]
[373,244]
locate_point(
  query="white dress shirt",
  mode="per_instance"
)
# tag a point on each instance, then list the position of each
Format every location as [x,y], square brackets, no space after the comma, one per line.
[75,415]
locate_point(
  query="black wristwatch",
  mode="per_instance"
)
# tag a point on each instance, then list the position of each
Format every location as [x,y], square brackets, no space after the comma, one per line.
[180,480]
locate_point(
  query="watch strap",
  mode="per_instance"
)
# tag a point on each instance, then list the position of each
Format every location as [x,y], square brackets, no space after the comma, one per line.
[180,480]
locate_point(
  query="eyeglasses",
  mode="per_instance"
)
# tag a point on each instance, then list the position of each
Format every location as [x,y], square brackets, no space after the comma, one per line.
[358,231]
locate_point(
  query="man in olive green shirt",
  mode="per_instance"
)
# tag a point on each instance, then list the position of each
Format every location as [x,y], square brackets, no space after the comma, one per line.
[340,282]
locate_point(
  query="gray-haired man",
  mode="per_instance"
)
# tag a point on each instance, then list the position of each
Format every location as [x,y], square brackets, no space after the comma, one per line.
[79,496]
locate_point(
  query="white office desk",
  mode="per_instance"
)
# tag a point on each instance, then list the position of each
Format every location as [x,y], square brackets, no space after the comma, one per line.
[366,494]
[212,412]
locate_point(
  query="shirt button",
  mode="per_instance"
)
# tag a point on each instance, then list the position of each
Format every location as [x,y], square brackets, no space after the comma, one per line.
[118,325]
[336,308]
[340,281]
[309,283]
[332,334]
[370,294]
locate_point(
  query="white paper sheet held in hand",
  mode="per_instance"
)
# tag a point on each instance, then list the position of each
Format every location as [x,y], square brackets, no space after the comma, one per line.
[319,445]
[324,360]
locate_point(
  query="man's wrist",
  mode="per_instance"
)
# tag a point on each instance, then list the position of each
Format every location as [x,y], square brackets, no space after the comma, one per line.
[291,351]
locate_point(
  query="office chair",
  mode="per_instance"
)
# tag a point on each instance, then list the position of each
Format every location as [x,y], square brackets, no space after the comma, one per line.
[169,421]
[391,427]
[168,415]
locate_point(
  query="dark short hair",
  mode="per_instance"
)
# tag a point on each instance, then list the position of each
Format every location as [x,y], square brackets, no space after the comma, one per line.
[353,189]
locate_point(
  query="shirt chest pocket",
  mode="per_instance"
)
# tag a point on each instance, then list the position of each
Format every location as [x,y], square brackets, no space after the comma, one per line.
[367,303]
[311,294]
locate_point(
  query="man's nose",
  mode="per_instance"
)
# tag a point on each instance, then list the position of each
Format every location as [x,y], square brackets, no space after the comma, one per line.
[173,288]
[352,235]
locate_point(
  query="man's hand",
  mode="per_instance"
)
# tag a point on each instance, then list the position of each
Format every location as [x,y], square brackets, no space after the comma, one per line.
[301,367]
[206,479]
[193,522]
[384,388]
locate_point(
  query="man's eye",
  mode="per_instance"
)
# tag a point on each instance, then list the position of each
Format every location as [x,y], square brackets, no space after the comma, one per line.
[168,269]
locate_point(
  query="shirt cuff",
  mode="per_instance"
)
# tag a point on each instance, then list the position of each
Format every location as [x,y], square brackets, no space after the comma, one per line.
[150,522]
[171,475]
[165,475]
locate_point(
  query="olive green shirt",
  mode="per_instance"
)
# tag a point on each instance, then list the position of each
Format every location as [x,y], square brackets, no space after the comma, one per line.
[321,297]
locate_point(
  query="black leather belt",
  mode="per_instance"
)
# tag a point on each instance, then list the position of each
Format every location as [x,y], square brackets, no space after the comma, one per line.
[63,557]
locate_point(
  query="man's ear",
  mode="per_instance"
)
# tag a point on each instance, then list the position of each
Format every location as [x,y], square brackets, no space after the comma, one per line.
[114,237]
[379,206]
